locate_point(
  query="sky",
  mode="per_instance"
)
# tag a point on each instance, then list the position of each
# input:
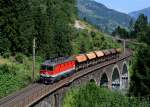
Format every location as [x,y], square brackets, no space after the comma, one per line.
[126,6]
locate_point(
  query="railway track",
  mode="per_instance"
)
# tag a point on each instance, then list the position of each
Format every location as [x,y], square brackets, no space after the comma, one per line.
[19,93]
[37,91]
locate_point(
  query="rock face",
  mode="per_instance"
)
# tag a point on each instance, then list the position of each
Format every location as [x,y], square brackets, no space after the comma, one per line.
[145,11]
[101,16]
[78,25]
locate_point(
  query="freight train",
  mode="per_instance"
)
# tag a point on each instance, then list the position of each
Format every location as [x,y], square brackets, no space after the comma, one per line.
[55,69]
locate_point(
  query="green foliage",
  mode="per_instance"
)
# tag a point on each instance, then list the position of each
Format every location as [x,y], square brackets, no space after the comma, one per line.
[90,41]
[141,23]
[47,20]
[62,39]
[14,75]
[4,45]
[20,57]
[6,54]
[121,32]
[93,96]
[7,69]
[140,29]
[134,45]
[140,79]
[144,36]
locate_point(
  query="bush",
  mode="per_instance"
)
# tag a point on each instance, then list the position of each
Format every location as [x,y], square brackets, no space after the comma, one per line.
[20,57]
[6,55]
[93,96]
[7,69]
[14,75]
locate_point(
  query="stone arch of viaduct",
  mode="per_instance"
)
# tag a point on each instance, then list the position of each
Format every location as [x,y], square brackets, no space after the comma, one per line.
[114,76]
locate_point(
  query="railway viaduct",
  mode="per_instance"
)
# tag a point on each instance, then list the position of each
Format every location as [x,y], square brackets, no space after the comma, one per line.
[112,74]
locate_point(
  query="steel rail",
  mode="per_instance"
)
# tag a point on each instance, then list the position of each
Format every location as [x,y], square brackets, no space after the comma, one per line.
[16,94]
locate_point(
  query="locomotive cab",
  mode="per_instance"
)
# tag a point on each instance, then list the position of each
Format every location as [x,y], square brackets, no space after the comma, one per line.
[45,72]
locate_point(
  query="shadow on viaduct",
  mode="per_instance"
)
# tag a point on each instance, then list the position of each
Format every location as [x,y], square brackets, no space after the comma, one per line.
[114,76]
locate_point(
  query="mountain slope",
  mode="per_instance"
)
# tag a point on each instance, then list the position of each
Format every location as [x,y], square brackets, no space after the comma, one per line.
[89,38]
[145,11]
[101,16]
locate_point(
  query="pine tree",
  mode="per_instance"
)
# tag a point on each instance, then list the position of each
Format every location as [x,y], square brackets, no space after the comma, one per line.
[43,34]
[25,27]
[144,36]
[61,30]
[62,39]
[140,79]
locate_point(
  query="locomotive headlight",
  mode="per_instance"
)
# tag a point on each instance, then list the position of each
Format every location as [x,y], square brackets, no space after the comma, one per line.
[45,75]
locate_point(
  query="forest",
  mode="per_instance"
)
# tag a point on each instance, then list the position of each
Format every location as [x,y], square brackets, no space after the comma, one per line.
[45,20]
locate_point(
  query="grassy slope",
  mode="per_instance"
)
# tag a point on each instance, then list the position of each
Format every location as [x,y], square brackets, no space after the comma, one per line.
[15,75]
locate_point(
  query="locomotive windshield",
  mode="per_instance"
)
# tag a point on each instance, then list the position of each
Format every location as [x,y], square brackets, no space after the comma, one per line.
[50,68]
[47,67]
[43,67]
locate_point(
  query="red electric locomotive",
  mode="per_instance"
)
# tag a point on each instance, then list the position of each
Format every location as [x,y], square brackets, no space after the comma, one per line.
[54,69]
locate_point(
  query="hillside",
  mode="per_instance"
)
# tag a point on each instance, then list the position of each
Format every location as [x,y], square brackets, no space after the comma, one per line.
[56,35]
[101,16]
[89,38]
[145,11]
